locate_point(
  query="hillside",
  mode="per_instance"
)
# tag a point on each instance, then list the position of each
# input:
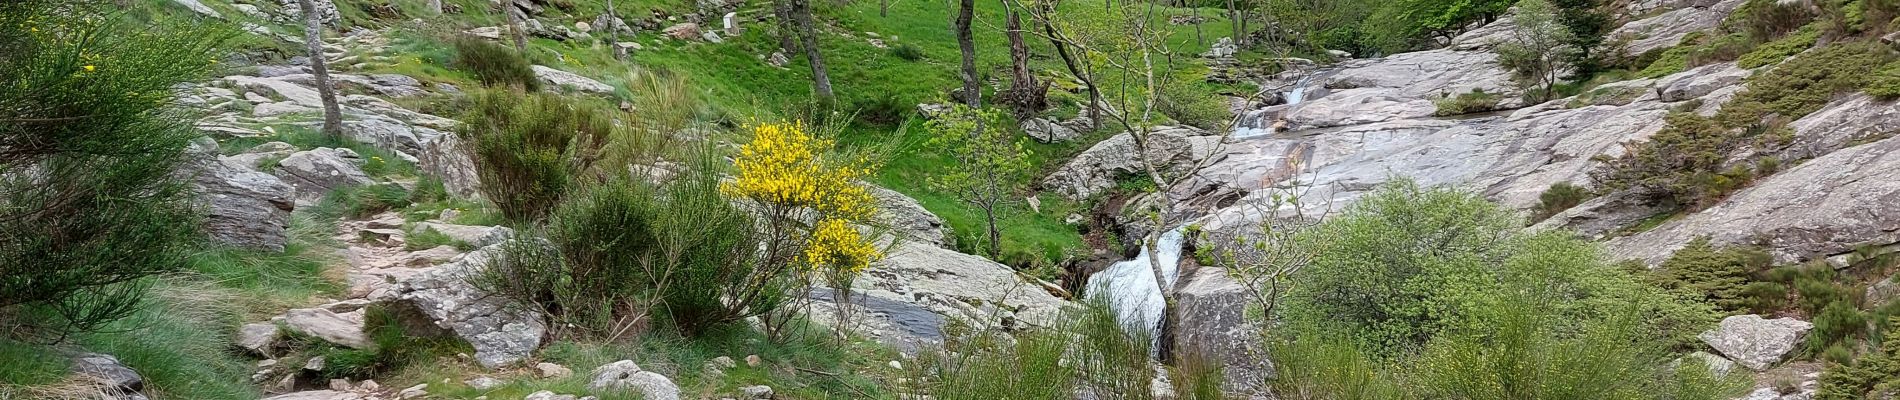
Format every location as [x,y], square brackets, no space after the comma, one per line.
[1354,199]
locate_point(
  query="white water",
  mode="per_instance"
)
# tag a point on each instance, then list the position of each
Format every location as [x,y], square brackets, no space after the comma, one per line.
[1255,123]
[1131,289]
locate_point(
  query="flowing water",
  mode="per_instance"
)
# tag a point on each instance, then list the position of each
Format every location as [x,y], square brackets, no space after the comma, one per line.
[1130,288]
[1258,123]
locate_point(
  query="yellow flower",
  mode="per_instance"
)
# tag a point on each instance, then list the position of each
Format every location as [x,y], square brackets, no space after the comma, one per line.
[88,68]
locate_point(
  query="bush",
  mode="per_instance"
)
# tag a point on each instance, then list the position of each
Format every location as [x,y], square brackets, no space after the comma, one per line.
[493,64]
[1834,326]
[1561,196]
[1673,60]
[1475,101]
[90,200]
[1873,376]
[364,201]
[1780,49]
[908,52]
[1082,350]
[530,149]
[1766,20]
[1719,276]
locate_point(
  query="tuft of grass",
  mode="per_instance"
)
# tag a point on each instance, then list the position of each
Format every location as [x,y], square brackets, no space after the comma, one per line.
[429,238]
[1476,101]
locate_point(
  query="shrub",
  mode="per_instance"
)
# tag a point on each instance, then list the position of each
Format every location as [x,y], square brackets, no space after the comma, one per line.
[1719,276]
[1873,376]
[90,201]
[493,64]
[530,149]
[1525,357]
[1765,20]
[1561,196]
[1082,350]
[1673,60]
[364,201]
[1833,327]
[1806,82]
[1764,297]
[1780,49]
[1475,101]
[392,346]
[907,51]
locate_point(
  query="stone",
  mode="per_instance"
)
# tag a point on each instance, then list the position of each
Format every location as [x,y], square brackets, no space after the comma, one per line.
[326,12]
[1755,342]
[1882,291]
[384,133]
[199,8]
[1668,29]
[251,10]
[757,392]
[413,392]
[109,372]
[711,37]
[683,31]
[1211,323]
[1048,132]
[344,329]
[1701,81]
[319,171]
[1172,149]
[259,338]
[282,108]
[778,59]
[626,375]
[909,220]
[1717,365]
[313,364]
[242,207]
[548,395]
[446,158]
[477,236]
[483,383]
[558,78]
[486,32]
[501,331]
[1766,393]
[1222,48]
[752,360]
[319,395]
[552,370]
[904,300]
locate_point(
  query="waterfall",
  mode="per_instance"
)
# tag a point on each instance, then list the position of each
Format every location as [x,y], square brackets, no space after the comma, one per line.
[1298,94]
[1257,123]
[1130,287]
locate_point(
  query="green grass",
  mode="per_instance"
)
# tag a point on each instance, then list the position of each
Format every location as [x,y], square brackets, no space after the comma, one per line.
[429,238]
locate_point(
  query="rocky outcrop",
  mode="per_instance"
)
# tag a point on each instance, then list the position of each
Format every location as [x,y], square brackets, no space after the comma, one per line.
[502,333]
[563,79]
[1700,81]
[1210,322]
[243,207]
[317,172]
[905,300]
[1173,150]
[909,220]
[342,329]
[474,235]
[1046,131]
[1755,342]
[1668,29]
[1402,86]
[626,375]
[445,158]
[113,377]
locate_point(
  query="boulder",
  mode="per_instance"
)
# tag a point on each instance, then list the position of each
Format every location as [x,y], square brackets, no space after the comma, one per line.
[683,31]
[1210,322]
[760,392]
[243,207]
[909,220]
[343,329]
[1701,81]
[1668,29]
[626,375]
[1717,365]
[259,338]
[199,8]
[326,12]
[548,395]
[320,395]
[1882,291]
[558,78]
[1172,149]
[317,172]
[110,373]
[445,158]
[501,331]
[1755,342]
[905,300]
[1048,132]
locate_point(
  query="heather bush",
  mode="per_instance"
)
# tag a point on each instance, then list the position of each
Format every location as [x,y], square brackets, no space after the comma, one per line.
[532,148]
[493,64]
[1561,196]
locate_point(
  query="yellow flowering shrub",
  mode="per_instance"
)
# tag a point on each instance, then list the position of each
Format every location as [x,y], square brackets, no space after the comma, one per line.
[791,172]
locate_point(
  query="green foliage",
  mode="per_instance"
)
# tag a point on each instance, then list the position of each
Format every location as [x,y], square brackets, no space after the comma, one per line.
[1684,163]
[908,52]
[429,238]
[1780,49]
[1885,83]
[1524,357]
[530,149]
[1768,19]
[992,163]
[393,345]
[1537,49]
[90,203]
[495,65]
[364,201]
[1873,376]
[1673,60]
[1719,276]
[1326,367]
[1475,101]
[1406,264]
[1561,196]
[1834,326]
[1083,349]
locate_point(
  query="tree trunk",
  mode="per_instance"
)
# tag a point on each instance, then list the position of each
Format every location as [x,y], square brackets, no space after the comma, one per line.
[1239,24]
[787,27]
[613,32]
[966,43]
[514,28]
[1025,93]
[436,6]
[1068,60]
[319,71]
[883,8]
[820,80]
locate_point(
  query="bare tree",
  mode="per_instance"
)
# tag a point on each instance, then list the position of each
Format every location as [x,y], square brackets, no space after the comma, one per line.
[613,32]
[1043,11]
[1026,95]
[966,44]
[514,27]
[787,29]
[319,70]
[820,79]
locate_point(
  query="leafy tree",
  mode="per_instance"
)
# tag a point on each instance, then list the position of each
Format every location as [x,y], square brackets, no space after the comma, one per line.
[1537,50]
[991,167]
[1407,24]
[91,200]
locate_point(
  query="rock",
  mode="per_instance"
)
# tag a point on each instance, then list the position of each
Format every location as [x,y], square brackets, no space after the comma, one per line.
[282,108]
[445,158]
[1222,48]
[385,133]
[313,364]
[1755,342]
[1048,132]
[777,59]
[1766,393]
[552,370]
[1882,291]
[502,332]
[199,8]
[1599,217]
[345,329]
[317,172]
[757,392]
[625,374]
[251,10]
[326,12]
[1717,365]
[711,37]
[752,360]
[548,395]
[1701,81]
[583,26]
[1211,322]
[730,24]
[683,31]
[483,383]
[256,155]
[259,338]
[909,220]
[486,32]
[559,78]
[904,300]
[1668,29]
[413,392]
[319,395]
[111,374]
[477,236]
[243,207]
[1172,149]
